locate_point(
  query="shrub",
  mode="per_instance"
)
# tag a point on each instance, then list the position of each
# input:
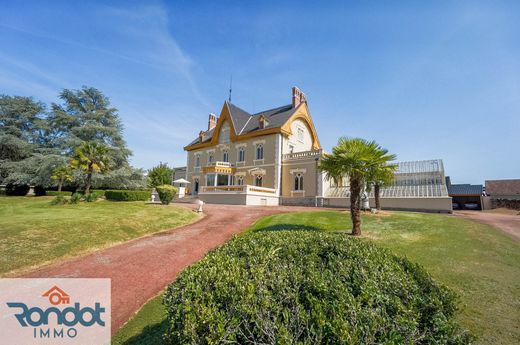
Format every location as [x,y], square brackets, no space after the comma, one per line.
[59,200]
[303,287]
[56,193]
[166,193]
[16,189]
[90,197]
[99,192]
[75,198]
[127,195]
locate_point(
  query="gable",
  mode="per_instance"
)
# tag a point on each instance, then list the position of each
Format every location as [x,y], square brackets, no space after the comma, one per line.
[243,125]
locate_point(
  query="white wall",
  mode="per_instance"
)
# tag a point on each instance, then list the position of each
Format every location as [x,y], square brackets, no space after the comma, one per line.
[299,144]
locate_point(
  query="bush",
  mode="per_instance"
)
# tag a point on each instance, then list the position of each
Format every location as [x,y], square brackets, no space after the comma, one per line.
[166,193]
[303,287]
[16,189]
[99,192]
[75,198]
[90,197]
[56,193]
[127,195]
[59,200]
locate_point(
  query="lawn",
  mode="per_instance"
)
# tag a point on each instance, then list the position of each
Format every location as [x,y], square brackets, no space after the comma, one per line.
[477,261]
[33,232]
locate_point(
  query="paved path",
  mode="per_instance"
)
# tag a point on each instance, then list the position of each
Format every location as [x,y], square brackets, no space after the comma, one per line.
[505,222]
[141,268]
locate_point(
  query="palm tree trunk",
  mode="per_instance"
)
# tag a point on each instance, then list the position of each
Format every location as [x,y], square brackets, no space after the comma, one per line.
[355,213]
[376,196]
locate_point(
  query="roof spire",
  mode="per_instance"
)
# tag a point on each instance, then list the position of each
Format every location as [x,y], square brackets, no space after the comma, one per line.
[230,87]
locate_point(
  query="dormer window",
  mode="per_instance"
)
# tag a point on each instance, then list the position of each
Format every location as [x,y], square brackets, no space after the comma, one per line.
[262,122]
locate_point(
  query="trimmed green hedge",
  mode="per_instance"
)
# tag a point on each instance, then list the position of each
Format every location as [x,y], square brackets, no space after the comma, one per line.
[56,193]
[127,195]
[304,287]
[99,192]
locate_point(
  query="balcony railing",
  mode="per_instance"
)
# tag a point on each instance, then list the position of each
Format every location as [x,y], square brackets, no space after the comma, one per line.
[303,155]
[244,189]
[220,164]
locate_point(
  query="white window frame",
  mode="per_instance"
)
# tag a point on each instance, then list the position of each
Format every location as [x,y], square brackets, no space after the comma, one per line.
[300,134]
[298,182]
[225,156]
[259,178]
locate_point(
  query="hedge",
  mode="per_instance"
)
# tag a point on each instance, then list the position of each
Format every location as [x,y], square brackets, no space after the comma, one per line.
[99,192]
[16,189]
[127,195]
[304,287]
[56,193]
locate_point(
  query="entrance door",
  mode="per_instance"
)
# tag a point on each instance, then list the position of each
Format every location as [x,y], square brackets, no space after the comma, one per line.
[196,189]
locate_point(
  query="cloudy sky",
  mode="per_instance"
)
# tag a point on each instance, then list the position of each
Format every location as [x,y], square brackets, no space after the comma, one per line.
[426,79]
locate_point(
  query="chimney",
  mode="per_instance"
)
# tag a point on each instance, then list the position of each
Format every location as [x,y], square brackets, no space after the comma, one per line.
[212,121]
[297,97]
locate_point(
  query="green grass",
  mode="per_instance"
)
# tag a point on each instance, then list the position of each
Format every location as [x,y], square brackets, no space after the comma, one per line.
[33,232]
[477,261]
[147,327]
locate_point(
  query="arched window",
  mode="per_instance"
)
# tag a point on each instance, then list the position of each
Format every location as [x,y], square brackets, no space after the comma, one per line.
[258,180]
[259,151]
[241,155]
[225,156]
[298,182]
[240,180]
[197,160]
[223,137]
[210,158]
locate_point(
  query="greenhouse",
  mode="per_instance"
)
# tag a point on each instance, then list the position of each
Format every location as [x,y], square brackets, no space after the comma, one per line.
[418,185]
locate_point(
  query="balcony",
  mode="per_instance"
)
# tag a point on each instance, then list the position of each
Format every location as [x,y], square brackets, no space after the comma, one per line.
[302,155]
[219,167]
[244,189]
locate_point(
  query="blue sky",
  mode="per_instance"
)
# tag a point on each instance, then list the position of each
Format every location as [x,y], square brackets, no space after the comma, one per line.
[426,79]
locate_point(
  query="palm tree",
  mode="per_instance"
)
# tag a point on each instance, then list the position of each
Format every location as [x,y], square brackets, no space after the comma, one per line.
[383,176]
[61,174]
[90,157]
[355,158]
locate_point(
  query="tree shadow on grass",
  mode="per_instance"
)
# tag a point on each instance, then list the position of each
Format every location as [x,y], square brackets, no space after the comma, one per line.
[288,227]
[151,335]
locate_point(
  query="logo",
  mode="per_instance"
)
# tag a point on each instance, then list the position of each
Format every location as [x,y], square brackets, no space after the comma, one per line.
[55,311]
[57,296]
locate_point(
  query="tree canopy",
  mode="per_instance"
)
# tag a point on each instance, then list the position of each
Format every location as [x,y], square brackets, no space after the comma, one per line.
[36,139]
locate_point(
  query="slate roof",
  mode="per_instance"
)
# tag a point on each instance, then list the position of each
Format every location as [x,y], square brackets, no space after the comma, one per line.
[244,122]
[463,189]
